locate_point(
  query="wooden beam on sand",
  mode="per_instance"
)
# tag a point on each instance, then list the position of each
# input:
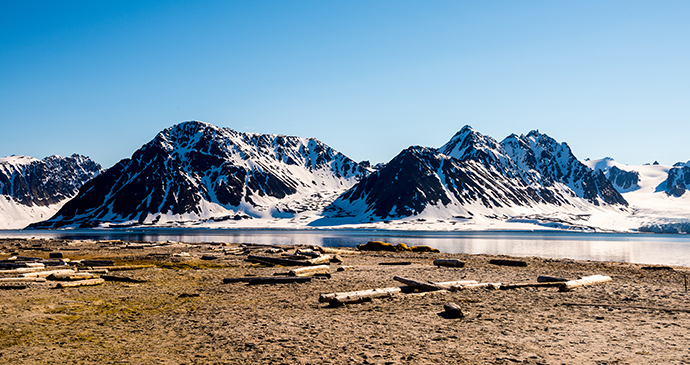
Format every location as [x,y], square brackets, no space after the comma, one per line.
[508,263]
[45,274]
[22,280]
[550,279]
[336,251]
[449,263]
[338,299]
[287,262]
[586,281]
[429,286]
[73,276]
[87,282]
[310,270]
[419,285]
[491,286]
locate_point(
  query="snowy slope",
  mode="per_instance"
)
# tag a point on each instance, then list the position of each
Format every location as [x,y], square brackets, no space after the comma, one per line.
[33,190]
[651,200]
[473,178]
[196,173]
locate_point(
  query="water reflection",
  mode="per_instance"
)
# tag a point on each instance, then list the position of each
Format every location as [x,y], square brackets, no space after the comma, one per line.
[639,248]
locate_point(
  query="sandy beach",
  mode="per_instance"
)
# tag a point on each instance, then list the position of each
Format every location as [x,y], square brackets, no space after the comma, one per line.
[183,313]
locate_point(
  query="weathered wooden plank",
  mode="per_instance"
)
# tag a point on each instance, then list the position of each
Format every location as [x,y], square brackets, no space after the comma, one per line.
[338,299]
[96,263]
[586,281]
[492,286]
[310,270]
[550,279]
[336,251]
[87,282]
[73,276]
[449,263]
[122,279]
[508,263]
[420,285]
[287,262]
[45,274]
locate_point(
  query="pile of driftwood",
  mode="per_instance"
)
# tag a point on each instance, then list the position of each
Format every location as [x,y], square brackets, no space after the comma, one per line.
[19,272]
[308,263]
[338,299]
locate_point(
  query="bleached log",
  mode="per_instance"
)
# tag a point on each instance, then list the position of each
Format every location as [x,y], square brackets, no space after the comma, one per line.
[453,310]
[338,299]
[336,251]
[45,274]
[307,252]
[588,280]
[87,282]
[323,259]
[492,286]
[449,263]
[311,270]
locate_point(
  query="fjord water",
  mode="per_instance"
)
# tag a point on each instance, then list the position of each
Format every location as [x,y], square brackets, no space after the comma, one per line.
[634,248]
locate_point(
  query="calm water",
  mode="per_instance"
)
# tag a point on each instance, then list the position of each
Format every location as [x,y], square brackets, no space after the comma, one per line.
[638,248]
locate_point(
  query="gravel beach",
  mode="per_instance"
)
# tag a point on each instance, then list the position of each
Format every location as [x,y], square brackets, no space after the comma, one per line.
[181,311]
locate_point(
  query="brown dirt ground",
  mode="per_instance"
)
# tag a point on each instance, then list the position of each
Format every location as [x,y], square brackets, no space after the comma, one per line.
[184,314]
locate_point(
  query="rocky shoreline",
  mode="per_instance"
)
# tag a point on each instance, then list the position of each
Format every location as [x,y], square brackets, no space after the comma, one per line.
[170,304]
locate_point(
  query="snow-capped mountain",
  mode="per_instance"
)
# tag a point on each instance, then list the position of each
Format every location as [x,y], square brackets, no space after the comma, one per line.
[195,172]
[33,190]
[473,175]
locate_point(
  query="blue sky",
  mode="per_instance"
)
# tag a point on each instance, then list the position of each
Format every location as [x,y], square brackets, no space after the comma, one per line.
[368,78]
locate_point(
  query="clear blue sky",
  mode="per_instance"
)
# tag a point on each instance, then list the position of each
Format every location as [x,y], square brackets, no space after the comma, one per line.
[368,78]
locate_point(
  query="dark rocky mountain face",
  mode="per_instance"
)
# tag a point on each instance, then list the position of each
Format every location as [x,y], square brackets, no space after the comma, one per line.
[678,180]
[45,182]
[475,170]
[623,180]
[547,162]
[195,170]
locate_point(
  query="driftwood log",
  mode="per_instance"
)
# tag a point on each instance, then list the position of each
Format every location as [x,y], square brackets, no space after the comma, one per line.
[419,285]
[429,286]
[586,281]
[126,267]
[287,262]
[508,263]
[449,263]
[22,280]
[338,299]
[73,276]
[45,274]
[87,282]
[550,279]
[492,286]
[122,279]
[310,270]
[336,251]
